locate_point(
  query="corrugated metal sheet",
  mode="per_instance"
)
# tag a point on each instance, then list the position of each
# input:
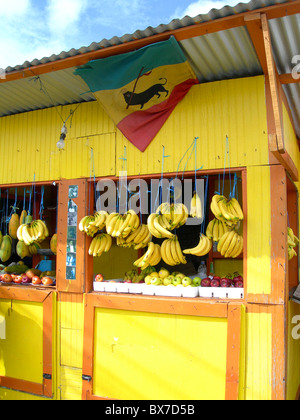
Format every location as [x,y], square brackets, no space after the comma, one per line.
[224,55]
[30,140]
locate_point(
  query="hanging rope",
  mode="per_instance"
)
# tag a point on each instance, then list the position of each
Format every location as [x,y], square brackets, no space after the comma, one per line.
[42,202]
[159,191]
[202,228]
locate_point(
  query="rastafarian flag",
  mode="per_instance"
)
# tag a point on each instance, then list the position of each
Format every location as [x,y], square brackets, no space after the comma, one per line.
[140,89]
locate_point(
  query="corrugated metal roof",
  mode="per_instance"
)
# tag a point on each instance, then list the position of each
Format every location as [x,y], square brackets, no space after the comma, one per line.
[222,55]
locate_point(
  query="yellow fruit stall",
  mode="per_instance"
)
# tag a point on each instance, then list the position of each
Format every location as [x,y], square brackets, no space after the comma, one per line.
[166,271]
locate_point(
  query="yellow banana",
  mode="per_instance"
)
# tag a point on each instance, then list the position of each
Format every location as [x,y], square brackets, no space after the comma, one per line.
[164,232]
[231,246]
[214,206]
[26,234]
[82,223]
[222,240]
[196,206]
[203,247]
[180,256]
[216,228]
[163,252]
[239,249]
[169,255]
[142,233]
[151,227]
[210,228]
[156,261]
[236,205]
[111,222]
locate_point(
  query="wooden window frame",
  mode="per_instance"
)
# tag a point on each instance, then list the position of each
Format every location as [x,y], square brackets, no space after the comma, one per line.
[30,294]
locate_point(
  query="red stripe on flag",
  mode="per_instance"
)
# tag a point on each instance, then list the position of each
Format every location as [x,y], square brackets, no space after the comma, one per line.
[141,127]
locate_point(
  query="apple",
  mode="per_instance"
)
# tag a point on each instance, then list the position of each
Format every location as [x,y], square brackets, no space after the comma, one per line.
[163,273]
[26,280]
[99,278]
[17,279]
[239,284]
[225,282]
[155,281]
[168,280]
[148,279]
[174,274]
[187,281]
[206,282]
[197,281]
[181,275]
[215,283]
[154,274]
[36,280]
[7,278]
[177,280]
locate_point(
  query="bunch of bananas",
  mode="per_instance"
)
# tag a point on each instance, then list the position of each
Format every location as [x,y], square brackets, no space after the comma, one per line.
[134,276]
[151,258]
[231,244]
[171,252]
[293,241]
[6,248]
[24,250]
[93,224]
[196,207]
[100,243]
[159,226]
[118,225]
[35,231]
[216,229]
[202,248]
[226,210]
[138,239]
[53,243]
[172,216]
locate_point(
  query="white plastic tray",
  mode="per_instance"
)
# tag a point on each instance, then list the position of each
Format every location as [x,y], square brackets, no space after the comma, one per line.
[177,291]
[221,292]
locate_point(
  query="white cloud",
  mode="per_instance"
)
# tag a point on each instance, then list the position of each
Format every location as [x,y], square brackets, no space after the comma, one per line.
[13,8]
[63,15]
[204,6]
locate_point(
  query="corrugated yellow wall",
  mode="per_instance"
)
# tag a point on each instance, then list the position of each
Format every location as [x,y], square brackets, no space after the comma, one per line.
[258,372]
[293,359]
[210,111]
[258,230]
[70,348]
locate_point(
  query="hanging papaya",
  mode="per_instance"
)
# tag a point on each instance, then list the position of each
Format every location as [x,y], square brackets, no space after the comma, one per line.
[14,223]
[23,217]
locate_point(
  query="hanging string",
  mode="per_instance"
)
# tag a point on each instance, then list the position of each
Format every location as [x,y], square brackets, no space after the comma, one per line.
[159,191]
[42,202]
[93,166]
[226,154]
[124,163]
[193,144]
[202,228]
[14,207]
[24,199]
[30,195]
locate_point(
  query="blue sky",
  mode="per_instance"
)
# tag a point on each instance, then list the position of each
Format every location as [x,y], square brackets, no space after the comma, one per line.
[32,29]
